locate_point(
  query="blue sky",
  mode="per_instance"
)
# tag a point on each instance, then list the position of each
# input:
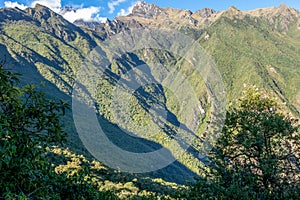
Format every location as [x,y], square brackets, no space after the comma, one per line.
[101,9]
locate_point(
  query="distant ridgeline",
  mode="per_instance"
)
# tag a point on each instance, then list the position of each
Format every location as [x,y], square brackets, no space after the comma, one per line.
[259,47]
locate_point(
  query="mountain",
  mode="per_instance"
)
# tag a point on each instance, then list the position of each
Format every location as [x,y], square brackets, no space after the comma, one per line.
[259,47]
[264,39]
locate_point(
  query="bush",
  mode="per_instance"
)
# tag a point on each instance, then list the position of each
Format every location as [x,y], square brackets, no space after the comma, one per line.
[29,125]
[257,156]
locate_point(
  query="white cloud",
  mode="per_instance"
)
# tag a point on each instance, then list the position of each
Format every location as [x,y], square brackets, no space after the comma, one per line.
[124,12]
[111,5]
[9,4]
[54,5]
[86,14]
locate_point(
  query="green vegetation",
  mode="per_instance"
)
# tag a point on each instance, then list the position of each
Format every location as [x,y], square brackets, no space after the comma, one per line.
[252,50]
[248,48]
[32,167]
[257,157]
[29,125]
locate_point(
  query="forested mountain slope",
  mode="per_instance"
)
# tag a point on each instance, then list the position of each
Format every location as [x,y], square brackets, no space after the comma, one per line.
[259,47]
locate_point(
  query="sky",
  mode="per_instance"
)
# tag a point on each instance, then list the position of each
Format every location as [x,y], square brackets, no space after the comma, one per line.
[100,10]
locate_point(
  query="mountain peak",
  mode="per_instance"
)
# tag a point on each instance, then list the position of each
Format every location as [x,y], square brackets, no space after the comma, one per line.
[144,9]
[205,12]
[233,9]
[283,6]
[66,9]
[39,7]
[41,12]
[284,9]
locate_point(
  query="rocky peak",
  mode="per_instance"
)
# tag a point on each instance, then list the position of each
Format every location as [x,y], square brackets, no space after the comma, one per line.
[66,9]
[287,16]
[284,10]
[13,14]
[281,18]
[142,9]
[205,13]
[52,22]
[283,7]
[232,11]
[82,23]
[41,12]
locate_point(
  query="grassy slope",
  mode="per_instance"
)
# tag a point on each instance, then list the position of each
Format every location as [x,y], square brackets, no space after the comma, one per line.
[247,51]
[43,57]
[250,51]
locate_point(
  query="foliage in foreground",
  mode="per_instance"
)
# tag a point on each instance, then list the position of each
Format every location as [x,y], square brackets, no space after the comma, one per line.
[29,124]
[257,157]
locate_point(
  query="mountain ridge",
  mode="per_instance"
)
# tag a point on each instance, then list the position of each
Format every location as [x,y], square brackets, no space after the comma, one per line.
[258,47]
[199,19]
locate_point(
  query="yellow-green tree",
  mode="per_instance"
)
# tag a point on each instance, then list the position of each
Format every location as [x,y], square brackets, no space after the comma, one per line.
[29,123]
[257,156]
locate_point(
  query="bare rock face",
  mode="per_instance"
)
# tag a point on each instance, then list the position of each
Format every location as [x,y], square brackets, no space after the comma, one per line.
[41,13]
[233,12]
[281,18]
[13,14]
[66,9]
[286,16]
[205,13]
[142,9]
[150,15]
[52,22]
[90,25]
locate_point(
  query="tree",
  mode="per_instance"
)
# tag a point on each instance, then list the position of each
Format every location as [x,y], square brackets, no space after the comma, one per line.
[29,124]
[257,156]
